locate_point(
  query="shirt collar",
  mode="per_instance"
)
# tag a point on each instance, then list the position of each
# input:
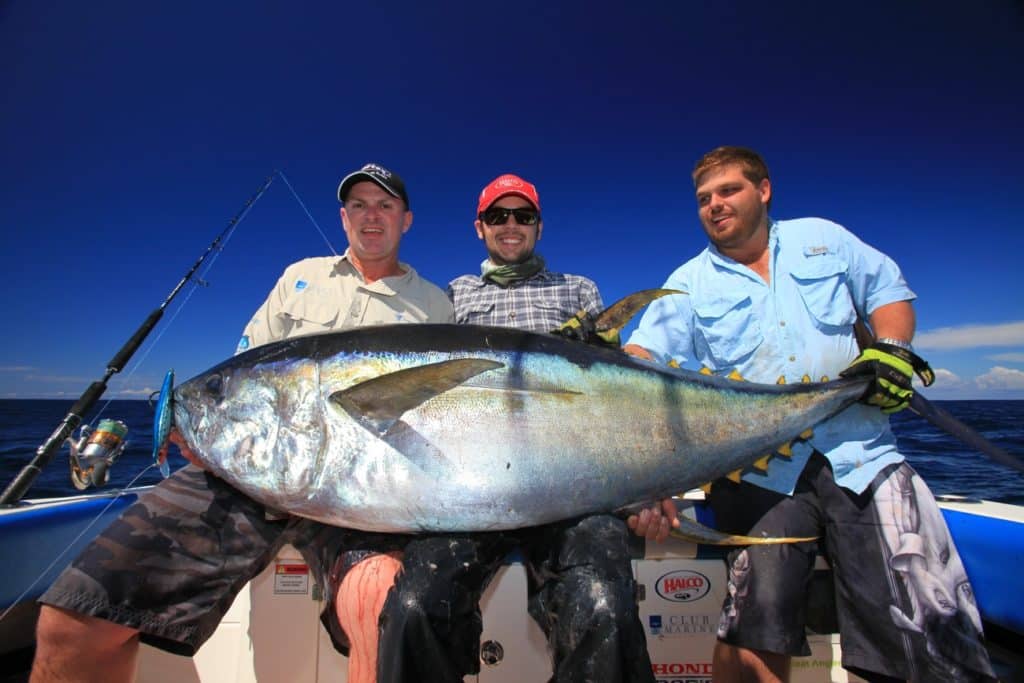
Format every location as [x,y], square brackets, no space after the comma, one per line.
[722,261]
[388,286]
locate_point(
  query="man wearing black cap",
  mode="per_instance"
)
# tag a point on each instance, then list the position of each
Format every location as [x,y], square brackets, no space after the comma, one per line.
[166,571]
[367,285]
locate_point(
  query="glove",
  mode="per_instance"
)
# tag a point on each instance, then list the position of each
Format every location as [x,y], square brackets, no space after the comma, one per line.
[893,369]
[581,327]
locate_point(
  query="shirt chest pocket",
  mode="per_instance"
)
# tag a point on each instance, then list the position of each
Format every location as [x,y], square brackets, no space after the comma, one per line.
[822,284]
[310,312]
[728,329]
[550,313]
[476,313]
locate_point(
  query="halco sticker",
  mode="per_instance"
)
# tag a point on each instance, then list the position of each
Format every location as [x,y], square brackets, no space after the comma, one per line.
[683,585]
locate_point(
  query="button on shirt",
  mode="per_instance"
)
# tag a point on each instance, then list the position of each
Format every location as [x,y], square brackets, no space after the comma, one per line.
[822,278]
[322,294]
[540,303]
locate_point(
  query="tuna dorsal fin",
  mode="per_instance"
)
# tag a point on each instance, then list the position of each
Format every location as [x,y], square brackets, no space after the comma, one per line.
[379,402]
[612,319]
[690,530]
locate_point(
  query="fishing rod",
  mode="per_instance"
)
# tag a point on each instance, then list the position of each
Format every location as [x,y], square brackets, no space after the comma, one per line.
[44,454]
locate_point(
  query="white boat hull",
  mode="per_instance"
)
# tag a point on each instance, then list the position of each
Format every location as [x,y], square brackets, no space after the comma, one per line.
[272,631]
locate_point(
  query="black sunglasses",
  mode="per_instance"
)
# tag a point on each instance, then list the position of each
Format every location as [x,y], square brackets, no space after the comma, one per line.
[498,216]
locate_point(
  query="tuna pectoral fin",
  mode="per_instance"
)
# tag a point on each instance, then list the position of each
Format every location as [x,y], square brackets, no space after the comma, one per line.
[618,315]
[695,532]
[379,402]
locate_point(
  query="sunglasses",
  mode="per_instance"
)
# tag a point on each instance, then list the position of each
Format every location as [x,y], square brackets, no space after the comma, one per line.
[498,216]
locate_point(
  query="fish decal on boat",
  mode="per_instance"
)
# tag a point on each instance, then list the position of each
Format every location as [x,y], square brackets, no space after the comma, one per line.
[424,428]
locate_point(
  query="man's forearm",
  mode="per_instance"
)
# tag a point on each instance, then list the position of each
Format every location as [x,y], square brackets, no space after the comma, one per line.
[894,321]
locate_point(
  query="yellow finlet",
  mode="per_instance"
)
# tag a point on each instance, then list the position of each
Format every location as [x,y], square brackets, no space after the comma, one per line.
[673,364]
[807,433]
[762,463]
[734,476]
[706,488]
[806,379]
[824,378]
[785,450]
[781,379]
[720,539]
[735,375]
[706,371]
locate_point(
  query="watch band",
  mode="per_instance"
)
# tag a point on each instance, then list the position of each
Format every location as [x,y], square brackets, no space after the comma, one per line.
[896,342]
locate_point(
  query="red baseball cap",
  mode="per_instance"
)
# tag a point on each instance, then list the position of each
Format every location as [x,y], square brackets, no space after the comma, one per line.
[504,185]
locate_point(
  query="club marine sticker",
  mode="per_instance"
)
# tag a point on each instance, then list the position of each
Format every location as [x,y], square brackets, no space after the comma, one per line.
[670,625]
[682,585]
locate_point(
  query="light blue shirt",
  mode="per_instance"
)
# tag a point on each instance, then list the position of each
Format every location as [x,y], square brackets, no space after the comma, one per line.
[822,278]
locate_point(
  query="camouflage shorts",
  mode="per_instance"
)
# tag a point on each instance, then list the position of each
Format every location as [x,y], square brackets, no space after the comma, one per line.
[173,562]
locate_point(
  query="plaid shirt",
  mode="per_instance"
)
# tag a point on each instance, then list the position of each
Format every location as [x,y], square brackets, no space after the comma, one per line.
[538,304]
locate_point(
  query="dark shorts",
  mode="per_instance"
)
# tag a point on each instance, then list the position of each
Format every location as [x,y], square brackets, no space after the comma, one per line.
[903,603]
[581,592]
[173,562]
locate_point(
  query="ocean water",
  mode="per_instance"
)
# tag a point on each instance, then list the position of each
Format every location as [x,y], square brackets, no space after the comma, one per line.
[947,465]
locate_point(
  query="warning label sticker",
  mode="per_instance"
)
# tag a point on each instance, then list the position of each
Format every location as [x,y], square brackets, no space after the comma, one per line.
[291,578]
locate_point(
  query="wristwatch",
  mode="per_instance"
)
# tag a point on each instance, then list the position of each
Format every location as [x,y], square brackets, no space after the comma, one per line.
[896,342]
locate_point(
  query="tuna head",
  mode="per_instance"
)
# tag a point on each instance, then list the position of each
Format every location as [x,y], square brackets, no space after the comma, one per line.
[244,417]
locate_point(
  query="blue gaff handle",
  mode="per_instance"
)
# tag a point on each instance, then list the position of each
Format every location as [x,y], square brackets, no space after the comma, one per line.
[162,422]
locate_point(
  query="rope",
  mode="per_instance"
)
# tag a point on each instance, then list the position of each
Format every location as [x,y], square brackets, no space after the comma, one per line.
[200,281]
[311,219]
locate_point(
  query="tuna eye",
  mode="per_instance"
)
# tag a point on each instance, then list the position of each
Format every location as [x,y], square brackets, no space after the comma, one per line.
[215,385]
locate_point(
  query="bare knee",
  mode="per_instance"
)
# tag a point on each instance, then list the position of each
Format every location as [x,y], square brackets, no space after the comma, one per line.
[68,629]
[733,664]
[73,646]
[362,592]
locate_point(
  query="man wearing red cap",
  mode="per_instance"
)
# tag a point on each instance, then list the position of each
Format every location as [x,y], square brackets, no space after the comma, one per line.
[581,587]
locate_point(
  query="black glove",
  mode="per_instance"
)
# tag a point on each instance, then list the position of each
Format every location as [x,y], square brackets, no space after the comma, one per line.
[893,369]
[581,327]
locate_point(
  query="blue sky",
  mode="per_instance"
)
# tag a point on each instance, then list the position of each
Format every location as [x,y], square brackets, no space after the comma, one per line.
[131,132]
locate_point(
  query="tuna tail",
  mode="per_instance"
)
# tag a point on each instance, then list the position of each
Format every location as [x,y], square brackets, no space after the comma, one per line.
[162,421]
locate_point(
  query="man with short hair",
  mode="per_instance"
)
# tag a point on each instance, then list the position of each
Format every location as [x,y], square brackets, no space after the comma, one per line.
[778,301]
[581,587]
[165,572]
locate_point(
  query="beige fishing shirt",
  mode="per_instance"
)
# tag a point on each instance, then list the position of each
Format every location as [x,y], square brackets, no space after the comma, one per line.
[328,293]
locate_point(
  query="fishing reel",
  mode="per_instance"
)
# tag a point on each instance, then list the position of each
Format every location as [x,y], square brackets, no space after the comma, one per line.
[95,452]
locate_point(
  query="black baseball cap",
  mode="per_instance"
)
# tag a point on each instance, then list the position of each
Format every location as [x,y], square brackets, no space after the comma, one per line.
[375,173]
